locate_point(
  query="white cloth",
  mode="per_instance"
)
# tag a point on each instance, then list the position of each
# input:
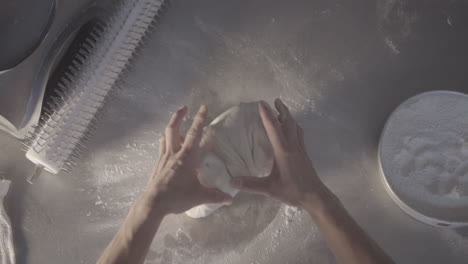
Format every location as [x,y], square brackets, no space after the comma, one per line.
[238,146]
[7,253]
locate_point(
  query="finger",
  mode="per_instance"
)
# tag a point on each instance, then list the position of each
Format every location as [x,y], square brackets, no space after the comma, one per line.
[282,114]
[211,195]
[300,136]
[252,184]
[289,124]
[162,151]
[193,137]
[275,173]
[162,146]
[172,130]
[272,128]
[206,142]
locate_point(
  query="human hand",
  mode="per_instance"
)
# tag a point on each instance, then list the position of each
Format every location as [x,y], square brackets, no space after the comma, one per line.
[293,179]
[174,184]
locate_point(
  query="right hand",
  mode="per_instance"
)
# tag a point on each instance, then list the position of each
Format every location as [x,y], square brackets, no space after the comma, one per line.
[293,179]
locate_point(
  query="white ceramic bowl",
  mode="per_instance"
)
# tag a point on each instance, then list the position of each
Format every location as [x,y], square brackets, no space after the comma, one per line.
[423,155]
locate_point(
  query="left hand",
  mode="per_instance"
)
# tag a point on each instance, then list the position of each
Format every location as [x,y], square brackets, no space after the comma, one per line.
[174,184]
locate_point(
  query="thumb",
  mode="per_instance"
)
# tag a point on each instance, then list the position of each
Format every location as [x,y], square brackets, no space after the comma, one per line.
[211,195]
[252,184]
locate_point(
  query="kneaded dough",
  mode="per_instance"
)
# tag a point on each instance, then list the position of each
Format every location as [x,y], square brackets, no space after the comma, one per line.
[237,145]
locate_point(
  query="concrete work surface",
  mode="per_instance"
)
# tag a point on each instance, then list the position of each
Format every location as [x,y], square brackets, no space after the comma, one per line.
[341,66]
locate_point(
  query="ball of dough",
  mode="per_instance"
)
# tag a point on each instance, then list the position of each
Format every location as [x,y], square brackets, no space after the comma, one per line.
[237,145]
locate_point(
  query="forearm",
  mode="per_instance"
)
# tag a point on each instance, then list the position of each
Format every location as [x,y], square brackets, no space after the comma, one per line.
[131,243]
[348,242]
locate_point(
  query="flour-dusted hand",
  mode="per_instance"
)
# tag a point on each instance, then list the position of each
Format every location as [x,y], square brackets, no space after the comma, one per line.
[174,184]
[293,178]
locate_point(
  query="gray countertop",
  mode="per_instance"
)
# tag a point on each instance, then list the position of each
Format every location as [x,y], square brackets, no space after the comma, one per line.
[342,67]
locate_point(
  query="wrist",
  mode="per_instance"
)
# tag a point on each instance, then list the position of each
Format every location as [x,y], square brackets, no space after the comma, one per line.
[150,202]
[312,201]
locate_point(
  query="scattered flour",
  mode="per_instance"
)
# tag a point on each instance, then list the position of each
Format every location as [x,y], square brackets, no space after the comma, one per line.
[117,179]
[271,245]
[424,149]
[396,21]
[458,242]
[291,213]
